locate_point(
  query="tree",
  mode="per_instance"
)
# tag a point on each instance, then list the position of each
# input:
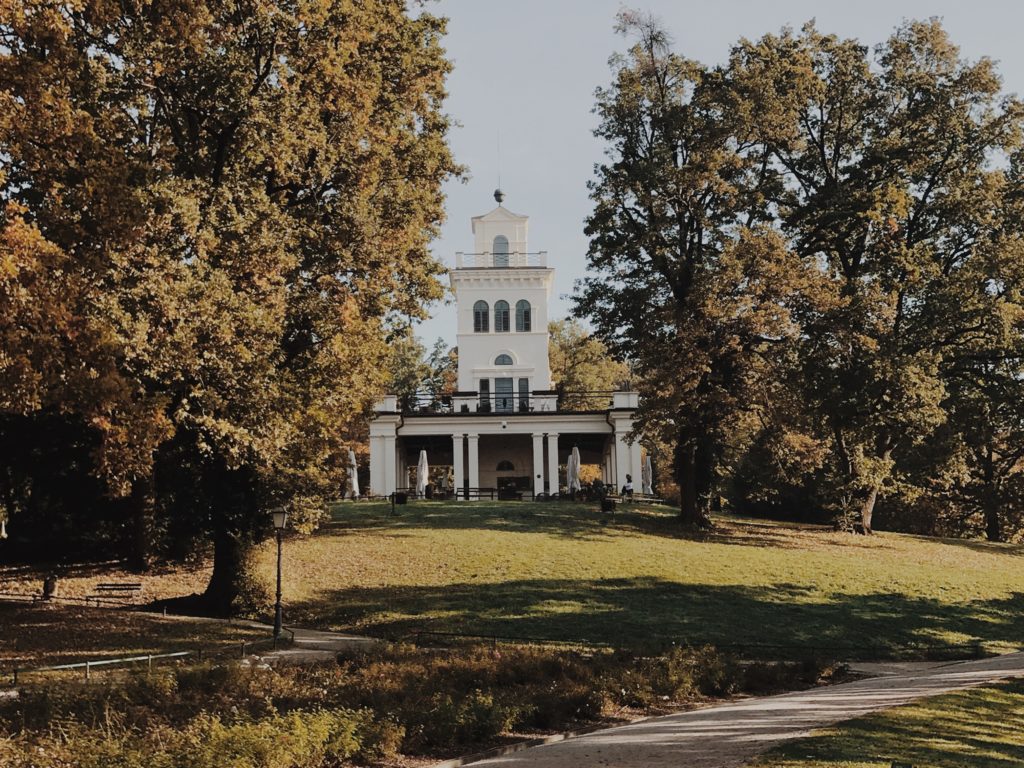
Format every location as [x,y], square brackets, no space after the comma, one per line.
[887,184]
[443,371]
[407,368]
[582,370]
[244,195]
[686,281]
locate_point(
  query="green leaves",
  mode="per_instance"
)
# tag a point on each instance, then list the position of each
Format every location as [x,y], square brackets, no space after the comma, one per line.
[811,217]
[241,197]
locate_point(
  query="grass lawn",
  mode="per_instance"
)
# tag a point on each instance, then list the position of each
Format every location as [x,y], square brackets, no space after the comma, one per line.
[560,571]
[62,634]
[977,728]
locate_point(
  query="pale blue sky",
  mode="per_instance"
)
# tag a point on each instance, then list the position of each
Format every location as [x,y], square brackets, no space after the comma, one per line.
[529,69]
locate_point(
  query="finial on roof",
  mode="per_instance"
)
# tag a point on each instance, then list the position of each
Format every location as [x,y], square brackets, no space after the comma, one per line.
[499,196]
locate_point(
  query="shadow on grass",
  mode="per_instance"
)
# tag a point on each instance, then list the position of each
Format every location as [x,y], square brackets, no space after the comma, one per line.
[980,728]
[59,634]
[578,520]
[650,614]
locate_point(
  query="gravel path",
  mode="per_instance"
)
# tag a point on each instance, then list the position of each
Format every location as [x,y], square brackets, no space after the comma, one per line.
[725,736]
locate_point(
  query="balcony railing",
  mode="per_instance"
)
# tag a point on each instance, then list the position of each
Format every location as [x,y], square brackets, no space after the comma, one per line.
[533,402]
[488,260]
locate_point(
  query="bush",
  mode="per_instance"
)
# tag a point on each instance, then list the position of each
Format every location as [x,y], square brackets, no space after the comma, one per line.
[368,707]
[451,721]
[559,706]
[299,739]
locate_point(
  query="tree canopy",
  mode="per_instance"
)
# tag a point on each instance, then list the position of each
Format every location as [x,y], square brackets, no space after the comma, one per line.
[813,248]
[214,216]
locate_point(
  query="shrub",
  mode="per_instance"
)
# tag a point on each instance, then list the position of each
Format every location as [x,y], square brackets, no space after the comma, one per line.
[471,719]
[560,705]
[715,674]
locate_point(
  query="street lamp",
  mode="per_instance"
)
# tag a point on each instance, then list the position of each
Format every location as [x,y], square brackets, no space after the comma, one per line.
[280,521]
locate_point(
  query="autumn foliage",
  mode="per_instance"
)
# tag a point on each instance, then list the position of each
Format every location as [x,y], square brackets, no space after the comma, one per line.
[212,214]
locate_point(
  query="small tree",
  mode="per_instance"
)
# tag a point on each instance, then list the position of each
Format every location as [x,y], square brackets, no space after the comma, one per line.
[581,366]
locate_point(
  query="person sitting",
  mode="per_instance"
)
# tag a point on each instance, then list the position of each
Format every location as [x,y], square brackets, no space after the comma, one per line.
[627,489]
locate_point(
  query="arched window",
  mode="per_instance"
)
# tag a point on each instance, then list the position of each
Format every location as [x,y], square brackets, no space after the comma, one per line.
[503,360]
[523,321]
[480,312]
[502,322]
[505,466]
[500,251]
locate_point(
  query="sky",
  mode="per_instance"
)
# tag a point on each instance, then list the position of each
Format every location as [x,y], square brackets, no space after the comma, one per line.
[525,71]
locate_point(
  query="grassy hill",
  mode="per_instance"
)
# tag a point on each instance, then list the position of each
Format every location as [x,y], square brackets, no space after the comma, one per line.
[563,571]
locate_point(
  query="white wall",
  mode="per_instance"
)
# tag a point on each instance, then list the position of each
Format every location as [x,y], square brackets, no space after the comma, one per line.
[477,351]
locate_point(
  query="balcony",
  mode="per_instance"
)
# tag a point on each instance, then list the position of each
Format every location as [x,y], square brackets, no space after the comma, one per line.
[469,403]
[514,260]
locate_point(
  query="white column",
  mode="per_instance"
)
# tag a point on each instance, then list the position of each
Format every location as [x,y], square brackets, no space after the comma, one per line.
[621,460]
[552,477]
[401,467]
[474,460]
[538,463]
[376,466]
[636,466]
[457,444]
[390,462]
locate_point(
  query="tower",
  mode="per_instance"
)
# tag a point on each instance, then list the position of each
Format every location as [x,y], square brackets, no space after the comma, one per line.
[502,292]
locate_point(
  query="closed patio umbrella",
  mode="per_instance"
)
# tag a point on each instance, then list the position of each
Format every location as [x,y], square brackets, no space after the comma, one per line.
[647,477]
[422,469]
[353,474]
[572,472]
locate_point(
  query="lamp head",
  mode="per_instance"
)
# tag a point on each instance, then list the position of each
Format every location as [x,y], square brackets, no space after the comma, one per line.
[280,516]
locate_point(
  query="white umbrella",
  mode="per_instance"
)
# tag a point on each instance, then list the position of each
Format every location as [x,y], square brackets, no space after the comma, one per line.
[572,472]
[421,475]
[647,477]
[353,474]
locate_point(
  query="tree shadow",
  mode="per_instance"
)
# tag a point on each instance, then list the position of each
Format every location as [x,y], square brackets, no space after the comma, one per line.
[648,613]
[60,634]
[975,545]
[576,520]
[978,727]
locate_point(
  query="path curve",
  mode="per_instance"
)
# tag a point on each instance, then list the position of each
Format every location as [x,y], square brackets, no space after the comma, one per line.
[726,735]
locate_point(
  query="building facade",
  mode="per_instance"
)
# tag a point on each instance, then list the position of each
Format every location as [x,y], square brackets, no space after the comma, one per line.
[505,431]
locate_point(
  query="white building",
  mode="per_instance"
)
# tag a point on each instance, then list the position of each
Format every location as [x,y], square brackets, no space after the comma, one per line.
[504,432]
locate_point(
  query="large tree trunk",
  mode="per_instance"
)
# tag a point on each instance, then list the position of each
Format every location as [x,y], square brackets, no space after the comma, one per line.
[990,498]
[993,525]
[143,506]
[867,510]
[694,489]
[227,582]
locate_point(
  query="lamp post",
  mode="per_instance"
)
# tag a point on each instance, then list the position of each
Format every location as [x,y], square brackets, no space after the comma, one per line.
[280,521]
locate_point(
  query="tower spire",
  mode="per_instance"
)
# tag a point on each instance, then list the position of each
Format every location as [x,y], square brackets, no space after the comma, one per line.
[498,194]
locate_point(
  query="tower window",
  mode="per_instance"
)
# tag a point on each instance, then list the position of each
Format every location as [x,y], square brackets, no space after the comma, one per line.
[500,250]
[523,321]
[502,322]
[505,466]
[503,360]
[480,312]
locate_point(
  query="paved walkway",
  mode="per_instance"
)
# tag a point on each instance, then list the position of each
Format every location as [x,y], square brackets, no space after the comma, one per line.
[725,736]
[315,645]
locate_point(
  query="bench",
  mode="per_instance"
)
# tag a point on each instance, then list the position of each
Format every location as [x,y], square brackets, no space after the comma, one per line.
[123,591]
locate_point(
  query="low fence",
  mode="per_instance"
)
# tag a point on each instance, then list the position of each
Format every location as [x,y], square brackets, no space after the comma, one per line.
[237,650]
[753,651]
